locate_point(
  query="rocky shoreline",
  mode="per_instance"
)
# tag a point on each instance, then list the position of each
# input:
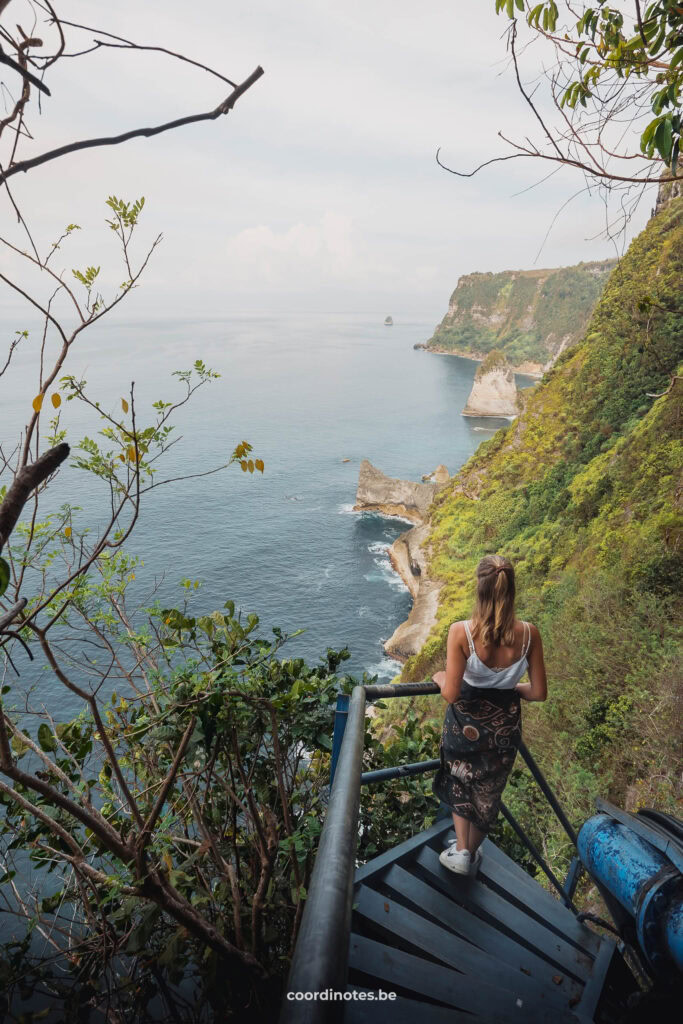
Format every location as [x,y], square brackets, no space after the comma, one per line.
[409,554]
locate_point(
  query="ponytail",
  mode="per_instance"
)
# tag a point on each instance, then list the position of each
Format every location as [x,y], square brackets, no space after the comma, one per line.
[493,620]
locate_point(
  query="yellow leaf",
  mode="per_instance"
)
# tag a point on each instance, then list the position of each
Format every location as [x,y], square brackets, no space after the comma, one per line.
[259,465]
[250,464]
[243,464]
[122,457]
[67,531]
[131,453]
[56,401]
[38,403]
[124,405]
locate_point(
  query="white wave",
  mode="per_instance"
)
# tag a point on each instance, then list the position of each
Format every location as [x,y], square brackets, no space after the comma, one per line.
[378,547]
[327,572]
[350,510]
[386,669]
[488,430]
[385,574]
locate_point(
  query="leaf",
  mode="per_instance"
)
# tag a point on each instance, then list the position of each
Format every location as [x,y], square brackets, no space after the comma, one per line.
[4,576]
[259,465]
[124,405]
[250,465]
[45,738]
[664,139]
[67,531]
[37,403]
[243,464]
[56,400]
[131,453]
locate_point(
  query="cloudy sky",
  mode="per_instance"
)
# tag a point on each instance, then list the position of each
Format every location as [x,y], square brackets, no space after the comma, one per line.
[320,190]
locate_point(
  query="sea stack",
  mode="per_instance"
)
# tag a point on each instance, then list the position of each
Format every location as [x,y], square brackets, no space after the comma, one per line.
[380,493]
[494,392]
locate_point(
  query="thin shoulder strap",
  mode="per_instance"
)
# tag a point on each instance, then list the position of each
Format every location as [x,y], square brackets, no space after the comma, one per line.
[527,639]
[469,637]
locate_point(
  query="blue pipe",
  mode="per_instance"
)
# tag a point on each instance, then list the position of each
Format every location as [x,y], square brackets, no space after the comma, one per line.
[644,882]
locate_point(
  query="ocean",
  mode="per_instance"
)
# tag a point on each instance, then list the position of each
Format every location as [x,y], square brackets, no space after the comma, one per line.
[308,391]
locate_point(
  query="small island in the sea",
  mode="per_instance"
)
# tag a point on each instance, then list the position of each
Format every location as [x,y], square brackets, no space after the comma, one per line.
[388,321]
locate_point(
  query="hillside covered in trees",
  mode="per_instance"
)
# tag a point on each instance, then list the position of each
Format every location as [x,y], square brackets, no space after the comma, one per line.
[583,492]
[531,315]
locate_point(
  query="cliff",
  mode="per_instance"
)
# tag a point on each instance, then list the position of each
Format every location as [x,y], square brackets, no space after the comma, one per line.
[494,392]
[584,492]
[531,315]
[380,493]
[409,559]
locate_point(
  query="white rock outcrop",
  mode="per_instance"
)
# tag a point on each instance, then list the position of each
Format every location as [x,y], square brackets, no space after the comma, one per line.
[494,392]
[439,476]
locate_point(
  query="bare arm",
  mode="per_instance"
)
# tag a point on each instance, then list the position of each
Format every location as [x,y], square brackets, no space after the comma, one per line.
[450,681]
[537,688]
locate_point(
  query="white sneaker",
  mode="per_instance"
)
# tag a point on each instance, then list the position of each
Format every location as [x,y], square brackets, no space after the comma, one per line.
[475,862]
[455,860]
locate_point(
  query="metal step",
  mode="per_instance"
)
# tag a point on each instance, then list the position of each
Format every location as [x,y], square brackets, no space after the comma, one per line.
[497,947]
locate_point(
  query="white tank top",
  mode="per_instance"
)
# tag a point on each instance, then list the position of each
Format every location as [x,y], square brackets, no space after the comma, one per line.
[478,674]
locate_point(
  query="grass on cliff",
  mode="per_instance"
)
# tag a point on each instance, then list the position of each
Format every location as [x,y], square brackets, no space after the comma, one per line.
[535,311]
[583,492]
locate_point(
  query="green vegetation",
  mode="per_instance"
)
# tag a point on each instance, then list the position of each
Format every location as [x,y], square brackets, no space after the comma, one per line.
[529,314]
[583,493]
[603,49]
[495,360]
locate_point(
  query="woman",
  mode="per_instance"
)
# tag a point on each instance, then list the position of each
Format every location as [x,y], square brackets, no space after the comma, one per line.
[485,661]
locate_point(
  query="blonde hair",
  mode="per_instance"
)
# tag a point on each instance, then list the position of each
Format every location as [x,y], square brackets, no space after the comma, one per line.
[493,620]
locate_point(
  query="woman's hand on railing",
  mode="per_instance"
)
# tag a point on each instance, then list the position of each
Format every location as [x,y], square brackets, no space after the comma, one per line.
[439,678]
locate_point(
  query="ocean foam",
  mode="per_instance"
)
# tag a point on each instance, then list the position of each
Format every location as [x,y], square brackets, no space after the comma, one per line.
[385,574]
[387,669]
[350,510]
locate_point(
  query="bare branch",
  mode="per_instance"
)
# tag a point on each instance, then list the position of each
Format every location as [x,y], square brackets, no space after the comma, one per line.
[115,140]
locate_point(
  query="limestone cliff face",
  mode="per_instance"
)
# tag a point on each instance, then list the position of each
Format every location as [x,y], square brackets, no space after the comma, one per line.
[532,315]
[494,392]
[409,554]
[380,493]
[439,476]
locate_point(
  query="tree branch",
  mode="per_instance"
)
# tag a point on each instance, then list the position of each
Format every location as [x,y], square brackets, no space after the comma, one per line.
[115,140]
[26,480]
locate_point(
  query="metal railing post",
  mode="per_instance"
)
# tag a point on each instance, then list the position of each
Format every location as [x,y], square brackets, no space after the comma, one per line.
[536,854]
[340,715]
[320,961]
[547,792]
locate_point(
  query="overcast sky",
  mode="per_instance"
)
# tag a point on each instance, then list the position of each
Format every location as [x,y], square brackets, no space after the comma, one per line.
[320,191]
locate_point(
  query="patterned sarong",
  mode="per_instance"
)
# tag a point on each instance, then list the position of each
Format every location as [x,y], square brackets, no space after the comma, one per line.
[481,733]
